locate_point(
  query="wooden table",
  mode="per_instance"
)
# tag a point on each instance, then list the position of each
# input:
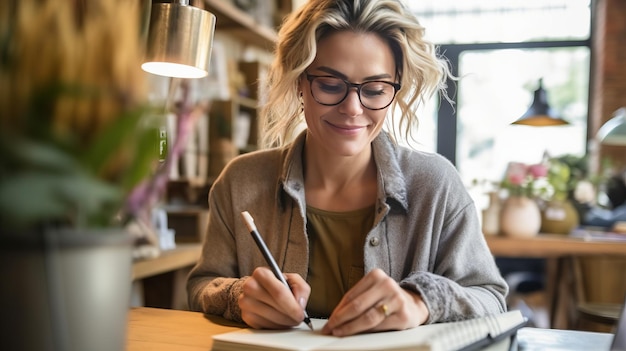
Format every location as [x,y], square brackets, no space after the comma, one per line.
[158,329]
[552,245]
[171,330]
[558,250]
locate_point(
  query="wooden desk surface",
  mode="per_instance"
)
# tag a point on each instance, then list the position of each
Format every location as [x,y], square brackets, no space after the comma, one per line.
[183,255]
[158,329]
[161,329]
[552,245]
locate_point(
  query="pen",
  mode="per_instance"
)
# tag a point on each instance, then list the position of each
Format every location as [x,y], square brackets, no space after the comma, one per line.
[268,256]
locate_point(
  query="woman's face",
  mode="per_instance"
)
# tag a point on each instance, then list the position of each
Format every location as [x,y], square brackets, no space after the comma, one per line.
[348,128]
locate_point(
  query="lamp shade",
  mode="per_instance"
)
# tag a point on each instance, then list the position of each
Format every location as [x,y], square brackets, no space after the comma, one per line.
[180,38]
[613,132]
[540,114]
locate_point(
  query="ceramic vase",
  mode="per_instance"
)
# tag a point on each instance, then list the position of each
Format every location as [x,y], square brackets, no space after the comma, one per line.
[491,215]
[520,217]
[559,217]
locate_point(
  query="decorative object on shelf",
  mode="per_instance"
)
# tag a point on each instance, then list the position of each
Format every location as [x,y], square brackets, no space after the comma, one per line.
[521,179]
[558,215]
[613,131]
[520,217]
[217,86]
[242,130]
[540,114]
[221,148]
[491,215]
[520,214]
[166,234]
[180,38]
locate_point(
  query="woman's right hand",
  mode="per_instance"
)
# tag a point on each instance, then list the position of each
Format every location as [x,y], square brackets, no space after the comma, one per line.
[266,303]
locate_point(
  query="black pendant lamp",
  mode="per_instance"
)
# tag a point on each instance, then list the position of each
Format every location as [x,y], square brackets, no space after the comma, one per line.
[540,114]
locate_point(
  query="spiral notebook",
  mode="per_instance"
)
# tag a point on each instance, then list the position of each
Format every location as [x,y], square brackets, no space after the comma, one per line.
[473,334]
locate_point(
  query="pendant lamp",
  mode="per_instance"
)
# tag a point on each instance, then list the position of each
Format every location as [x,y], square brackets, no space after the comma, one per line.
[180,39]
[540,114]
[613,132]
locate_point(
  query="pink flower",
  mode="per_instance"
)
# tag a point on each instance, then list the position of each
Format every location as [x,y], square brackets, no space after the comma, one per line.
[538,170]
[516,178]
[520,178]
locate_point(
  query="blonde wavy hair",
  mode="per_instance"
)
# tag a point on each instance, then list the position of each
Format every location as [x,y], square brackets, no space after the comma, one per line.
[420,70]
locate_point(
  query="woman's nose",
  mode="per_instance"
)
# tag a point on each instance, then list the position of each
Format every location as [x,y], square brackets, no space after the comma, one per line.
[351,106]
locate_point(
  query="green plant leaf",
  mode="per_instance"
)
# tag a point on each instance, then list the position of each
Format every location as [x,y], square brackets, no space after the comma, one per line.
[115,136]
[35,197]
[21,153]
[146,149]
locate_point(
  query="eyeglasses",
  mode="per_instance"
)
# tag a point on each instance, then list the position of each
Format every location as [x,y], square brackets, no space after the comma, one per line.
[331,91]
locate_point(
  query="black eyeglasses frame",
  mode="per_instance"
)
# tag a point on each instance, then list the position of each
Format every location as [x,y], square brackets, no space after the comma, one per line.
[350,85]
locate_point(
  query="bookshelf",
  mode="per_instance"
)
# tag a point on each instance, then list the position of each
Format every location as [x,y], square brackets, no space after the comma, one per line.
[226,117]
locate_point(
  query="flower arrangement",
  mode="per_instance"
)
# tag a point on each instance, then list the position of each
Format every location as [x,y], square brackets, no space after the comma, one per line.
[559,179]
[74,134]
[525,180]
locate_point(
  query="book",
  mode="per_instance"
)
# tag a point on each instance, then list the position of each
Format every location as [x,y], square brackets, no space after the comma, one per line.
[472,334]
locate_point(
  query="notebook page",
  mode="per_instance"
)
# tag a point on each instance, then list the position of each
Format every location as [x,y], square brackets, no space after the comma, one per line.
[435,337]
[410,339]
[464,333]
[297,339]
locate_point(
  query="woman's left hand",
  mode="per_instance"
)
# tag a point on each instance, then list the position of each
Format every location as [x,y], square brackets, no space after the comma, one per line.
[376,303]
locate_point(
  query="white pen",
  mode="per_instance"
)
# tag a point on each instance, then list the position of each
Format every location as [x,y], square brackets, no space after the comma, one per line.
[247,218]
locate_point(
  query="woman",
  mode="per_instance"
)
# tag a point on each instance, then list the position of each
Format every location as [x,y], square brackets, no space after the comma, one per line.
[369,234]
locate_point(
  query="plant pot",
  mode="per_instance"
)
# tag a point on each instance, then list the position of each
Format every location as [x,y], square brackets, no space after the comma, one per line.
[65,290]
[520,217]
[559,217]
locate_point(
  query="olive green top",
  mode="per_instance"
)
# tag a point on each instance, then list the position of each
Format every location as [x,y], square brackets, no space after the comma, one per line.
[336,263]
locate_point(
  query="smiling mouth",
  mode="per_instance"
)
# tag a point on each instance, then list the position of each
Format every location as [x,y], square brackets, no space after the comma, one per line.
[345,127]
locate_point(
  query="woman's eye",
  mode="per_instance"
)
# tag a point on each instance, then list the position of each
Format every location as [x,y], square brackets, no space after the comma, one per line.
[376,89]
[331,86]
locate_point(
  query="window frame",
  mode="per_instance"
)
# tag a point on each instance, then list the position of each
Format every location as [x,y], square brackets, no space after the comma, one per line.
[446,141]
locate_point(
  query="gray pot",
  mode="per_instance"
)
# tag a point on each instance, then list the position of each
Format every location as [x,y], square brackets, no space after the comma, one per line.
[65,290]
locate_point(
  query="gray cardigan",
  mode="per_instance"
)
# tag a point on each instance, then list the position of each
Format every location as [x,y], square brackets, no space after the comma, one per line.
[426,232]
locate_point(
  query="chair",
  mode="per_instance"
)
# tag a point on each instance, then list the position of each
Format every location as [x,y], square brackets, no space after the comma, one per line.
[600,289]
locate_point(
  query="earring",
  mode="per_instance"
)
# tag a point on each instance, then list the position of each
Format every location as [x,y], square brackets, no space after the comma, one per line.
[301,102]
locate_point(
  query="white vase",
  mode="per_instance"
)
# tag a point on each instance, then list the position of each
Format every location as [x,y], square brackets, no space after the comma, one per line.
[520,217]
[491,215]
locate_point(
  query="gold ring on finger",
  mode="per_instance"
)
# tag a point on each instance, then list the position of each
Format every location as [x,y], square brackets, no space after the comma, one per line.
[385,310]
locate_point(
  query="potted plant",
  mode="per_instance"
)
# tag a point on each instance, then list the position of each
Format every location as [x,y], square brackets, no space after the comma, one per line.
[558,215]
[74,143]
[520,214]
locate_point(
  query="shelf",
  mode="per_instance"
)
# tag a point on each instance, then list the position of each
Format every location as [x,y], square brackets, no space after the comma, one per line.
[184,255]
[246,102]
[233,20]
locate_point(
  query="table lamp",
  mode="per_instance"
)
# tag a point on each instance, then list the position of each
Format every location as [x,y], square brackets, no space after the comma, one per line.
[540,114]
[180,39]
[613,132]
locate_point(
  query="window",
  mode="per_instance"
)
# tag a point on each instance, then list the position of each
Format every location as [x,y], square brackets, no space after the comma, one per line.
[500,51]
